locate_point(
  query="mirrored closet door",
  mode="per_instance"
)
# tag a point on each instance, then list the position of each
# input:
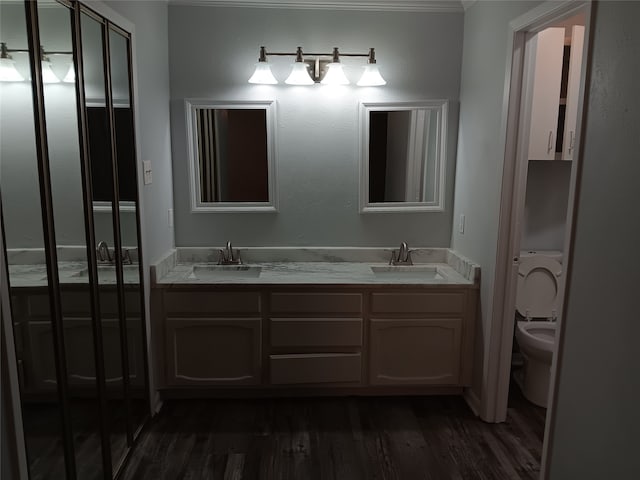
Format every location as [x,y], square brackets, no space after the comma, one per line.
[68,184]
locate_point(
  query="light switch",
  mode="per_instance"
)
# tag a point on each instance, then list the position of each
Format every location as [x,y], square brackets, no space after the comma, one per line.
[146,169]
[170,218]
[461,224]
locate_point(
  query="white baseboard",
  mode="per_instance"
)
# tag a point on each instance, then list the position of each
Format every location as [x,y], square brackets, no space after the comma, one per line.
[472,400]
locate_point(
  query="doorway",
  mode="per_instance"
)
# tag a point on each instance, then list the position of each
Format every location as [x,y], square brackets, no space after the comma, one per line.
[540,171]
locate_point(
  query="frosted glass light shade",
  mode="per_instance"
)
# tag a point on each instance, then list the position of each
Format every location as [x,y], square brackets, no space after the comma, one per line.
[263,75]
[8,72]
[371,77]
[70,77]
[335,75]
[47,74]
[299,75]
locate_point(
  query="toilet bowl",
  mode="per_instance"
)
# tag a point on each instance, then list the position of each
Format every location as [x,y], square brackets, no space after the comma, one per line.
[538,301]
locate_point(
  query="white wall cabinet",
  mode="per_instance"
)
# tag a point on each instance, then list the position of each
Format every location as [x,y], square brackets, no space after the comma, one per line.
[573,92]
[545,55]
[546,51]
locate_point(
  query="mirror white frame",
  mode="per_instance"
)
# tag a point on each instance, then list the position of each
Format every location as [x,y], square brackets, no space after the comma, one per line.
[197,206]
[440,107]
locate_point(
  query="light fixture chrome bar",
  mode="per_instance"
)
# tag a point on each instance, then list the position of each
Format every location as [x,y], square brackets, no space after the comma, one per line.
[324,68]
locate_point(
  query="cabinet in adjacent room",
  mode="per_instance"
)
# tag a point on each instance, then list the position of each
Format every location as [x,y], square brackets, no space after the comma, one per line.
[553,93]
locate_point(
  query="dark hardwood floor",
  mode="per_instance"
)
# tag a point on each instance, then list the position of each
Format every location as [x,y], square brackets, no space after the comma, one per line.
[401,438]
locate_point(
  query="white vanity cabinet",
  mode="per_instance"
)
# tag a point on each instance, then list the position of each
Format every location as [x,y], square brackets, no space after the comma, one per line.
[353,339]
[212,338]
[315,338]
[420,338]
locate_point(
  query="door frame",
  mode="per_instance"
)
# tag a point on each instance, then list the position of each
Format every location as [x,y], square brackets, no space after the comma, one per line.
[512,199]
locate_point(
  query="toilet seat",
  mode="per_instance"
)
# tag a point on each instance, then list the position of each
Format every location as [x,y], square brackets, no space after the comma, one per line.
[539,292]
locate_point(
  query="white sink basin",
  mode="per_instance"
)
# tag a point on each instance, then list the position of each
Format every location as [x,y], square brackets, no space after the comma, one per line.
[425,272]
[222,272]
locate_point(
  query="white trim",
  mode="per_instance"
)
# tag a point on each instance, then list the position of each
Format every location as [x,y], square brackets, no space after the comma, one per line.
[197,206]
[433,6]
[499,352]
[441,107]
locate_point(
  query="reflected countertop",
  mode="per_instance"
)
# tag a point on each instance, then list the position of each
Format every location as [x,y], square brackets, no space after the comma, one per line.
[69,273]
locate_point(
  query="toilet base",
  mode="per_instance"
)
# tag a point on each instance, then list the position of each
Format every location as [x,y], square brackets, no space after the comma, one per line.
[533,380]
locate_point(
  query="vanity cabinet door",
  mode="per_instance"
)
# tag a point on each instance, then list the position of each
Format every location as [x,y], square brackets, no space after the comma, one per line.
[213,351]
[415,351]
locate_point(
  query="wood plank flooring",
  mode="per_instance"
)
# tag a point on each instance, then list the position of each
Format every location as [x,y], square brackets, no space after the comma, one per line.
[402,438]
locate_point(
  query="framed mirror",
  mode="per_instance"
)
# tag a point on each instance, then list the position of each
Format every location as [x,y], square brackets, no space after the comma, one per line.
[231,149]
[403,156]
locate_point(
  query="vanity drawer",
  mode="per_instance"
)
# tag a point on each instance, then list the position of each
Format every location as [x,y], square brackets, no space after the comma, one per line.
[316,302]
[211,303]
[441,302]
[316,332]
[315,368]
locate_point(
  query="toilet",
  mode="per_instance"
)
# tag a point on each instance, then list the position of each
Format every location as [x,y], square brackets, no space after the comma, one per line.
[538,302]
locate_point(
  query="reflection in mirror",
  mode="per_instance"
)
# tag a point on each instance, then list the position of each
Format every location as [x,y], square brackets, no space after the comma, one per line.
[99,138]
[403,156]
[127,195]
[55,25]
[28,278]
[231,155]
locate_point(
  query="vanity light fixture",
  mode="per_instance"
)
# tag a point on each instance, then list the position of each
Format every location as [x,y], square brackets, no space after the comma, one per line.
[263,74]
[9,73]
[324,68]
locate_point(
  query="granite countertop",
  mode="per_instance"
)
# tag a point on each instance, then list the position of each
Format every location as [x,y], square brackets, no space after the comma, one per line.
[321,266]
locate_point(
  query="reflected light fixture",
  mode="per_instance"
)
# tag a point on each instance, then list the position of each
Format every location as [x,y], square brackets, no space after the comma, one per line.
[47,73]
[8,72]
[263,75]
[323,68]
[70,77]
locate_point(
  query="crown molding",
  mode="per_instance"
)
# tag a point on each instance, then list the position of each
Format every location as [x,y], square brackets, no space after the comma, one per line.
[467,4]
[446,6]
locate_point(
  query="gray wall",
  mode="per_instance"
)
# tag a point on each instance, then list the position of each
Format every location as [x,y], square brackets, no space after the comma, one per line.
[153,132]
[212,54]
[480,159]
[545,210]
[596,429]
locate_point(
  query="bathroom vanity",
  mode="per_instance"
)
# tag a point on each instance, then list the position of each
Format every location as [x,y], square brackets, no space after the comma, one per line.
[292,322]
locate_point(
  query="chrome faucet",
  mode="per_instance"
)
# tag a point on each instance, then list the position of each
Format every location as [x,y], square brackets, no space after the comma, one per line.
[103,252]
[227,258]
[403,256]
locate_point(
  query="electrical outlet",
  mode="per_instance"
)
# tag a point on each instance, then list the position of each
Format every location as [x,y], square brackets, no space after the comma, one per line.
[171,218]
[461,224]
[147,173]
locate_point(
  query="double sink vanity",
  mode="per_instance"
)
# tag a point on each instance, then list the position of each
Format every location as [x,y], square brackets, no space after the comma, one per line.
[318,320]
